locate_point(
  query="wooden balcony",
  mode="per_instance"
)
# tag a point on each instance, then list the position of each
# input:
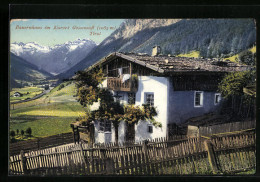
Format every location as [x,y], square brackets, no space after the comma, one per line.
[116,84]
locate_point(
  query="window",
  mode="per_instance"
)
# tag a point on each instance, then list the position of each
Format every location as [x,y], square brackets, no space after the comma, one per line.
[105,126]
[108,126]
[150,128]
[131,98]
[198,99]
[217,99]
[149,99]
[101,125]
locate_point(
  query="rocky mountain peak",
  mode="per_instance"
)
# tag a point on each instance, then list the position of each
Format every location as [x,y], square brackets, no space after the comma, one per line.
[132,26]
[53,59]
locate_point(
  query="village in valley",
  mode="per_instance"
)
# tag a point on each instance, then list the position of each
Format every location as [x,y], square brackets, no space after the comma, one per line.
[154,97]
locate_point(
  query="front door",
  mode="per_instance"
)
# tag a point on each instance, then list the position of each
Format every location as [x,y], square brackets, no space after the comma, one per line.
[130,132]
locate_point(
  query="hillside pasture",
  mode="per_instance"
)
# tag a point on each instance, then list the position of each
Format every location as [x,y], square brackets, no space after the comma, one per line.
[28,92]
[48,115]
[194,54]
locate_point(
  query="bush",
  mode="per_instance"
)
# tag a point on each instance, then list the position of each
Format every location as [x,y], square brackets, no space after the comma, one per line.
[12,134]
[247,57]
[22,132]
[233,83]
[29,131]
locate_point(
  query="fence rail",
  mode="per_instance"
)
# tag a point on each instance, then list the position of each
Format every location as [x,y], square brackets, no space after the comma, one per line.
[40,143]
[216,155]
[227,127]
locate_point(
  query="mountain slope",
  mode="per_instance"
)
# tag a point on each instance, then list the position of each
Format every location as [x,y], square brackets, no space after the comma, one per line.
[23,71]
[55,59]
[212,38]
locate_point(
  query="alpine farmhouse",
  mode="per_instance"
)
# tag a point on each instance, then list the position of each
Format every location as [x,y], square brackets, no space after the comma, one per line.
[179,88]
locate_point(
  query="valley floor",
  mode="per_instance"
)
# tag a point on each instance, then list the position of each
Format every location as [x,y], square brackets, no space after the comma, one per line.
[49,115]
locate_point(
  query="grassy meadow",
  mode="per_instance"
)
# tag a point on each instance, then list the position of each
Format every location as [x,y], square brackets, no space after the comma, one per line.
[194,54]
[28,92]
[48,115]
[234,58]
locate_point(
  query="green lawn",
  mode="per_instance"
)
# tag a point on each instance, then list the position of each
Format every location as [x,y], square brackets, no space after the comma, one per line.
[48,115]
[45,126]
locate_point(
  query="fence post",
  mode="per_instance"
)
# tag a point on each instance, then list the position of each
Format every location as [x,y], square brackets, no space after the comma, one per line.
[211,156]
[81,151]
[145,142]
[75,133]
[23,158]
[102,153]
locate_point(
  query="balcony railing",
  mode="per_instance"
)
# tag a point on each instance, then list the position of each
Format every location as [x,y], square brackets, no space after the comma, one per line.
[117,85]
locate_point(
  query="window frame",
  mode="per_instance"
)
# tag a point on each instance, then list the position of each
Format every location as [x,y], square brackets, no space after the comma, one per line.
[148,128]
[103,126]
[219,99]
[201,98]
[145,98]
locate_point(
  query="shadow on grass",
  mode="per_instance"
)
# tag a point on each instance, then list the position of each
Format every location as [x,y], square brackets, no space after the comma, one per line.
[19,138]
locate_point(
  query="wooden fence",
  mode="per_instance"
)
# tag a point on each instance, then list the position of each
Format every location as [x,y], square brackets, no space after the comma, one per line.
[226,127]
[192,156]
[40,143]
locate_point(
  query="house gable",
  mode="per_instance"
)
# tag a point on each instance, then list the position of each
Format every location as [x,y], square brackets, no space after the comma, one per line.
[186,73]
[128,65]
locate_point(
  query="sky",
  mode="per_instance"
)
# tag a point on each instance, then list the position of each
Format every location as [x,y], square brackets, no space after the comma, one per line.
[49,32]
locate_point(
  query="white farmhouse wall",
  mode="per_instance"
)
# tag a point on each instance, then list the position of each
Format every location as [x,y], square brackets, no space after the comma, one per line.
[150,84]
[121,132]
[99,136]
[158,86]
[104,137]
[172,106]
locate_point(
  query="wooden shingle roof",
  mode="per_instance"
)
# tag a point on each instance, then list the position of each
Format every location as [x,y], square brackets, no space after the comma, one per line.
[168,64]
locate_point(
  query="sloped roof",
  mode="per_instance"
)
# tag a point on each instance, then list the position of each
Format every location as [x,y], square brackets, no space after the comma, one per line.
[168,64]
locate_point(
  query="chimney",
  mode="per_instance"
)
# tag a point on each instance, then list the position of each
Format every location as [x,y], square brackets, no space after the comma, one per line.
[156,50]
